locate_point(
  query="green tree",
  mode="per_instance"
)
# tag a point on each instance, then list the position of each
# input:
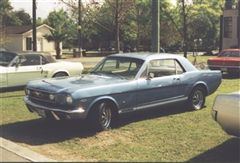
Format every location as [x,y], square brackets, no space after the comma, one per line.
[62,24]
[23,17]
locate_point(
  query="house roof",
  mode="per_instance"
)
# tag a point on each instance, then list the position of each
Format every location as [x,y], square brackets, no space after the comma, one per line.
[21,29]
[17,29]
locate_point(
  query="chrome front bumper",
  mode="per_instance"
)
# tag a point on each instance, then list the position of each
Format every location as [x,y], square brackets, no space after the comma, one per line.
[58,114]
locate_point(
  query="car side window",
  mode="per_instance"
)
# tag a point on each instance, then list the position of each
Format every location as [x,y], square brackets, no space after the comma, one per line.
[43,60]
[30,60]
[164,67]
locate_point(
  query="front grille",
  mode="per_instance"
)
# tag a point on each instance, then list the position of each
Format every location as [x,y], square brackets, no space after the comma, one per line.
[40,96]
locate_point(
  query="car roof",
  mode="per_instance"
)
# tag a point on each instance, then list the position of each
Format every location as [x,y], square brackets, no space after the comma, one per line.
[147,55]
[232,50]
[34,53]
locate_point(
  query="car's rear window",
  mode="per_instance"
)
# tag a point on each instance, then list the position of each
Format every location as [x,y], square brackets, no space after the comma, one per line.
[49,58]
[230,54]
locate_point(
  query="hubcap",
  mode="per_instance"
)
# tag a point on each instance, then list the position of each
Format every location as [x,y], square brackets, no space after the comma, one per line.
[197,99]
[105,115]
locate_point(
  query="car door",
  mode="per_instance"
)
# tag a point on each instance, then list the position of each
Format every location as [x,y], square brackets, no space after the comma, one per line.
[25,68]
[162,84]
[3,76]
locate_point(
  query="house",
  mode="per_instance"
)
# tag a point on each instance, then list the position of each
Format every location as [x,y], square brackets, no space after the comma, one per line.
[19,39]
[230,25]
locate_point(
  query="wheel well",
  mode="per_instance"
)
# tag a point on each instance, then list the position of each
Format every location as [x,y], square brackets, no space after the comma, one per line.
[203,87]
[60,72]
[114,108]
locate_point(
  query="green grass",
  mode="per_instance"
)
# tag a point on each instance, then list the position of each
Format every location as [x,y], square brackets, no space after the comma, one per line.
[169,134]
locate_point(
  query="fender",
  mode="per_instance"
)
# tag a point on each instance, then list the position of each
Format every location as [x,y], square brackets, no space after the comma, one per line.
[59,70]
[101,99]
[202,83]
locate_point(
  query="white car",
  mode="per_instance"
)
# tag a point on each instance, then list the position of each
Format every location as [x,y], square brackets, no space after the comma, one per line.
[17,70]
[226,111]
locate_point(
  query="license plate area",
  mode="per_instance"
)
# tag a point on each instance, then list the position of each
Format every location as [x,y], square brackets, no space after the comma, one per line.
[223,69]
[40,112]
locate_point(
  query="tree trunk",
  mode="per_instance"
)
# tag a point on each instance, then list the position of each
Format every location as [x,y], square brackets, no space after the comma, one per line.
[58,50]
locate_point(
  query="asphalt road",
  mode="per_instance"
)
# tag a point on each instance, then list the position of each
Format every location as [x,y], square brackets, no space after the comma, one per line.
[7,156]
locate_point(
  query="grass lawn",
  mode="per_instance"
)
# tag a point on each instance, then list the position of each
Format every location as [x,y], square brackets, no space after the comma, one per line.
[166,134]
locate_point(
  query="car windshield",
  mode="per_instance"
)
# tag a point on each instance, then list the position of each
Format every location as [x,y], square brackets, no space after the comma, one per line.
[229,54]
[122,67]
[6,58]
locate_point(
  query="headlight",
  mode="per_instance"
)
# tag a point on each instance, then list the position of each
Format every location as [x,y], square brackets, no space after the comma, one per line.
[63,99]
[69,99]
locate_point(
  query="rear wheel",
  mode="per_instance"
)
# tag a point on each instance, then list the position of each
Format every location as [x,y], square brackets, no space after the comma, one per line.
[197,98]
[60,74]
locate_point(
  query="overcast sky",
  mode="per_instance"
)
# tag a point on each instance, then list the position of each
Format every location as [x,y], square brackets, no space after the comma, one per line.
[43,6]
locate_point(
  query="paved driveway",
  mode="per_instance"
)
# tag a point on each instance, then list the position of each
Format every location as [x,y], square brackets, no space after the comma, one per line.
[7,156]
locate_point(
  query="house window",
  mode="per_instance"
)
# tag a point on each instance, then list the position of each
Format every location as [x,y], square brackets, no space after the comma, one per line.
[28,43]
[228,27]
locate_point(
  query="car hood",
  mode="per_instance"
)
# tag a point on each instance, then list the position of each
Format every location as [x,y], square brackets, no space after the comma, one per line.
[73,84]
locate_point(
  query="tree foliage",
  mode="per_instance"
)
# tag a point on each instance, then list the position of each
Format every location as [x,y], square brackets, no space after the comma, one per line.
[9,17]
[63,28]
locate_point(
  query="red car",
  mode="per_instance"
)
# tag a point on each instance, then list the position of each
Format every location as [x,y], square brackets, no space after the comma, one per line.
[228,61]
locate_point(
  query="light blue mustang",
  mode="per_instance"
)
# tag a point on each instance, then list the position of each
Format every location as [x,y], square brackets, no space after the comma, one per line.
[119,84]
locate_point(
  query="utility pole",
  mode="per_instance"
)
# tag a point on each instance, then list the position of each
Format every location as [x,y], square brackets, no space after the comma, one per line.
[117,28]
[34,33]
[155,26]
[80,27]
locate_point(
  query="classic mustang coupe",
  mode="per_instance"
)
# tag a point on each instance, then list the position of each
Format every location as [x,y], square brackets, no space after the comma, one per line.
[17,69]
[119,84]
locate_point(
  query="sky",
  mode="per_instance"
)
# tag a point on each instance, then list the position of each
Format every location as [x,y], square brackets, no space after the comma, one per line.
[43,6]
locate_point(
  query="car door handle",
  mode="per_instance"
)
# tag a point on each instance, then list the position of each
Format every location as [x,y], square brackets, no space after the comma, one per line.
[39,68]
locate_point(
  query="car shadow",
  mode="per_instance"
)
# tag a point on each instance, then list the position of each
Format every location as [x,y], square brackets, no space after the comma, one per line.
[12,89]
[40,131]
[227,152]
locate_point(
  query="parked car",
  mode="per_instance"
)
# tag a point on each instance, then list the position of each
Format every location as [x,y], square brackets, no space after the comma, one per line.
[122,83]
[228,60]
[226,111]
[17,69]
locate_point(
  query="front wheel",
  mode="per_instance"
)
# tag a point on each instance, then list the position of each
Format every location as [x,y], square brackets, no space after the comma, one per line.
[102,116]
[197,98]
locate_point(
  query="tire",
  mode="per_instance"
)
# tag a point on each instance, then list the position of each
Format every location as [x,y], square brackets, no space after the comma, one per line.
[102,116]
[60,74]
[196,99]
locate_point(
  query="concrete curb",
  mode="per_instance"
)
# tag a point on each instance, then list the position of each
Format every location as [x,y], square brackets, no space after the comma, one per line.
[23,152]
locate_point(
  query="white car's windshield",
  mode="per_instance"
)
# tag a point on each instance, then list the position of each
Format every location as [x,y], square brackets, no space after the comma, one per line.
[6,58]
[122,67]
